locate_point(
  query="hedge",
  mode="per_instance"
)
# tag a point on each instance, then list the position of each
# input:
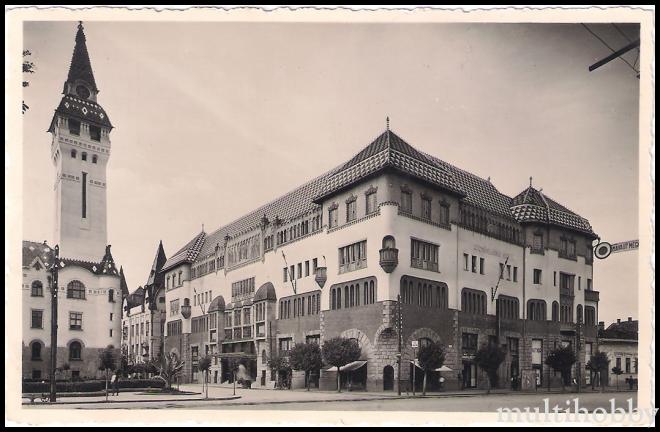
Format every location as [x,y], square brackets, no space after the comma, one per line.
[90,386]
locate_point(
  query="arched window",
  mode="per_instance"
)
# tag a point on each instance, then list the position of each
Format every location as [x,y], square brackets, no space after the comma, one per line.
[579,314]
[75,290]
[555,311]
[389,242]
[75,351]
[424,342]
[372,292]
[111,295]
[37,289]
[35,349]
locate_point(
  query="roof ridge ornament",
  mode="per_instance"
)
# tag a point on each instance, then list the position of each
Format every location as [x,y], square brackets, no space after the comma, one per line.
[387,123]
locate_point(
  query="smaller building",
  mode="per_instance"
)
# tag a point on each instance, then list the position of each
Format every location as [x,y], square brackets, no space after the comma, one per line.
[143,320]
[619,342]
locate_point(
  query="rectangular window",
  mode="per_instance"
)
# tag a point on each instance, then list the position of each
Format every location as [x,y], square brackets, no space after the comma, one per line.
[563,247]
[571,249]
[444,214]
[315,264]
[425,255]
[515,274]
[37,319]
[110,332]
[618,362]
[75,320]
[353,257]
[589,285]
[482,266]
[426,208]
[371,203]
[332,218]
[174,307]
[84,195]
[501,270]
[466,262]
[95,133]
[299,270]
[474,264]
[508,272]
[537,243]
[292,272]
[554,278]
[111,316]
[566,283]
[285,346]
[537,276]
[627,364]
[74,127]
[285,272]
[406,202]
[469,342]
[579,282]
[351,210]
[306,268]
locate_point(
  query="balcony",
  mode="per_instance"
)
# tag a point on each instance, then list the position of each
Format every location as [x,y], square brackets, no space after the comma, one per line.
[424,265]
[389,259]
[566,292]
[591,295]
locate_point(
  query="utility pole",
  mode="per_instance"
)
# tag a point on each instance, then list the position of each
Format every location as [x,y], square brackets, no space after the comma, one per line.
[53,325]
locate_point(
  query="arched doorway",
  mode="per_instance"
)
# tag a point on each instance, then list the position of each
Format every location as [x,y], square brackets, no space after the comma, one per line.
[388,378]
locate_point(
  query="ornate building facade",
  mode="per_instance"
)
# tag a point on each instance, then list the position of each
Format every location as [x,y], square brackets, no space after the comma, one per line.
[470,264]
[89,293]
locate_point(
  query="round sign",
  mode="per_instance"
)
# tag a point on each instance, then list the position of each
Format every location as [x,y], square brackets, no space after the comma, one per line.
[602,250]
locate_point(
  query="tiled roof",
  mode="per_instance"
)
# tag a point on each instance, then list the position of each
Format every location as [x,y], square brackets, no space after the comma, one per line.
[155,276]
[135,299]
[532,205]
[86,110]
[81,66]
[123,286]
[218,304]
[188,253]
[388,150]
[621,330]
[32,250]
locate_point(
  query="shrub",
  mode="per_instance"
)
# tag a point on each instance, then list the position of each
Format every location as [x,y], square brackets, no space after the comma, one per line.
[89,386]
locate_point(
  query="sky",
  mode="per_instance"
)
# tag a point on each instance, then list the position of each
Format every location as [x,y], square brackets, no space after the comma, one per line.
[213,120]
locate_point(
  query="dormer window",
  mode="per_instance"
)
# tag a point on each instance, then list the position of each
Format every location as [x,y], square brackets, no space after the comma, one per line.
[95,133]
[74,127]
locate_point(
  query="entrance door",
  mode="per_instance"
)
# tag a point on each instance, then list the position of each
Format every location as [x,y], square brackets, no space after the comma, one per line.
[388,378]
[469,375]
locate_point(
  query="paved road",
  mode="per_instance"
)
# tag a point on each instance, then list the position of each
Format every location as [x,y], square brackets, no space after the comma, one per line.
[346,402]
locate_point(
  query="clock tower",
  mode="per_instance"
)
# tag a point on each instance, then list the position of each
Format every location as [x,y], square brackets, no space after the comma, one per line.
[80,150]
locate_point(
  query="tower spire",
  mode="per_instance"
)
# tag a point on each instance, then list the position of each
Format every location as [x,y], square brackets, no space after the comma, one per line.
[387,123]
[81,67]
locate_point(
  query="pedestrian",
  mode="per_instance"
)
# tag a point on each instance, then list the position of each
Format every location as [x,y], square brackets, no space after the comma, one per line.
[115,384]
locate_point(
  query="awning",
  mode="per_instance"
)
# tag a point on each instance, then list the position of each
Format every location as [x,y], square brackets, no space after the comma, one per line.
[353,366]
[440,369]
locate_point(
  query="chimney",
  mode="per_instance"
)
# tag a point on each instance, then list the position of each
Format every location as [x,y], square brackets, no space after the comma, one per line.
[629,319]
[618,320]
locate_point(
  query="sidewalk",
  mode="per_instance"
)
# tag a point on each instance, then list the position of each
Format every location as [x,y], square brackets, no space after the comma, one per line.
[269,396]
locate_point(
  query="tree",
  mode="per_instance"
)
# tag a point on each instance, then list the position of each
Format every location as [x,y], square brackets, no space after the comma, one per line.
[489,358]
[338,352]
[204,365]
[306,357]
[561,360]
[616,370]
[430,357]
[280,364]
[28,67]
[599,364]
[107,362]
[170,369]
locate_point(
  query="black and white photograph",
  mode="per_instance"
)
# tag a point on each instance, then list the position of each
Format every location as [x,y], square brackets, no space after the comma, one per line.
[299,216]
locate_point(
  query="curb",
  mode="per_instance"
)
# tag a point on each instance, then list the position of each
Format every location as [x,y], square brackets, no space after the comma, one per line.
[131,401]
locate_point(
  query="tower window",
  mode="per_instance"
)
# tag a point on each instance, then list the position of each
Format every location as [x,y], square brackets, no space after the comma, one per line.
[74,127]
[73,153]
[84,195]
[95,158]
[95,133]
[84,156]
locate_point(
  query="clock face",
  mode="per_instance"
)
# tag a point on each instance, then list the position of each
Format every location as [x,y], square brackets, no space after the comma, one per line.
[82,92]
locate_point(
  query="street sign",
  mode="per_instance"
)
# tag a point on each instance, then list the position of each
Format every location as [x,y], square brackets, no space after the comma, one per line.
[604,249]
[415,344]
